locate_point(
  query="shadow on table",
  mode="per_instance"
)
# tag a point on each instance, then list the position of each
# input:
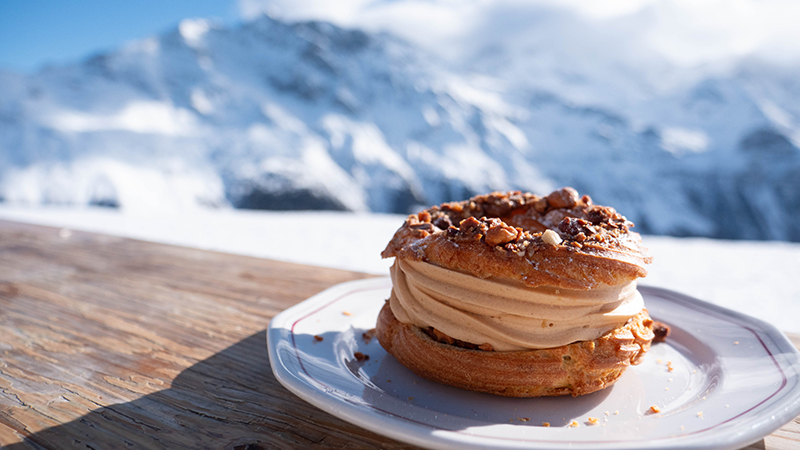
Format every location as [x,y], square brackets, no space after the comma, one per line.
[228,401]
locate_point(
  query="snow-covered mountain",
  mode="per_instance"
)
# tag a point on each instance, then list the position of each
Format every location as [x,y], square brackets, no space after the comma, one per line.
[276,115]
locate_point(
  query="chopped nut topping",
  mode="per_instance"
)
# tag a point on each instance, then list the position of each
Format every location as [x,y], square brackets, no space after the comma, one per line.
[545,424]
[563,198]
[471,228]
[655,409]
[442,222]
[426,227]
[500,233]
[512,223]
[574,226]
[551,237]
[540,205]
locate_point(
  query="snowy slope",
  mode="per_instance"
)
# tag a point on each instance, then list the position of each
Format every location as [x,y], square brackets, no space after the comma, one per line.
[749,277]
[277,115]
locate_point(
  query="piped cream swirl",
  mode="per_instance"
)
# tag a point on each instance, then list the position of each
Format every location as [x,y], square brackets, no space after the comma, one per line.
[507,315]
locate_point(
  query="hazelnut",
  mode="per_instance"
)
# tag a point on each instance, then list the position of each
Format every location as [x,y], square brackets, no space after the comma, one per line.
[500,234]
[540,205]
[551,237]
[443,222]
[563,198]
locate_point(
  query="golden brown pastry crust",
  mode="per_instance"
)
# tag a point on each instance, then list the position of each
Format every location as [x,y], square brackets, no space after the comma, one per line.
[501,235]
[504,236]
[576,369]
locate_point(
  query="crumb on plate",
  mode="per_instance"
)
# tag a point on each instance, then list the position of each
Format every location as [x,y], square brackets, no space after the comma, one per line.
[368,335]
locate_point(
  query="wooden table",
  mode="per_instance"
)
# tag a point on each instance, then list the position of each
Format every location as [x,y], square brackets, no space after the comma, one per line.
[114,343]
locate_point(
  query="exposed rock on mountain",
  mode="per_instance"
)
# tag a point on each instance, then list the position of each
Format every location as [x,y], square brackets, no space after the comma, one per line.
[274,115]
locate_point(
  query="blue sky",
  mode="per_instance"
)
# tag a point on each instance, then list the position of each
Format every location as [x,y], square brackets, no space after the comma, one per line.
[687,32]
[37,32]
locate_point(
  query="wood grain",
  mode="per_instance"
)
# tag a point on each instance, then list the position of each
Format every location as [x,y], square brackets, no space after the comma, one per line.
[109,342]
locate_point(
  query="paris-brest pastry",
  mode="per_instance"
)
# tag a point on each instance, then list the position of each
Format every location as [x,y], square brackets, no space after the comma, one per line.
[517,295]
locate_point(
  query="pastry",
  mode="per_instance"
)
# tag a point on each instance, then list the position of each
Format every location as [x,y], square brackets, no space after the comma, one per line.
[517,295]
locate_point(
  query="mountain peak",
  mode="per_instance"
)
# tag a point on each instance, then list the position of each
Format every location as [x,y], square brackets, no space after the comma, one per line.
[193,30]
[273,114]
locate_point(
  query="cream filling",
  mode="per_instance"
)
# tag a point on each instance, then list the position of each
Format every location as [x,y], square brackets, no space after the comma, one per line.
[507,315]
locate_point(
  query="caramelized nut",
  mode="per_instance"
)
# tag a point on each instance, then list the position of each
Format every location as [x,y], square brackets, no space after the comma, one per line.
[500,234]
[443,222]
[563,198]
[540,205]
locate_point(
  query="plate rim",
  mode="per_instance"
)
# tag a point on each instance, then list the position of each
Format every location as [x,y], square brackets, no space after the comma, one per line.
[398,427]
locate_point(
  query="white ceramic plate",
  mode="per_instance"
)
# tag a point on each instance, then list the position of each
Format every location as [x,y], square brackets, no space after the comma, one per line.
[734,379]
